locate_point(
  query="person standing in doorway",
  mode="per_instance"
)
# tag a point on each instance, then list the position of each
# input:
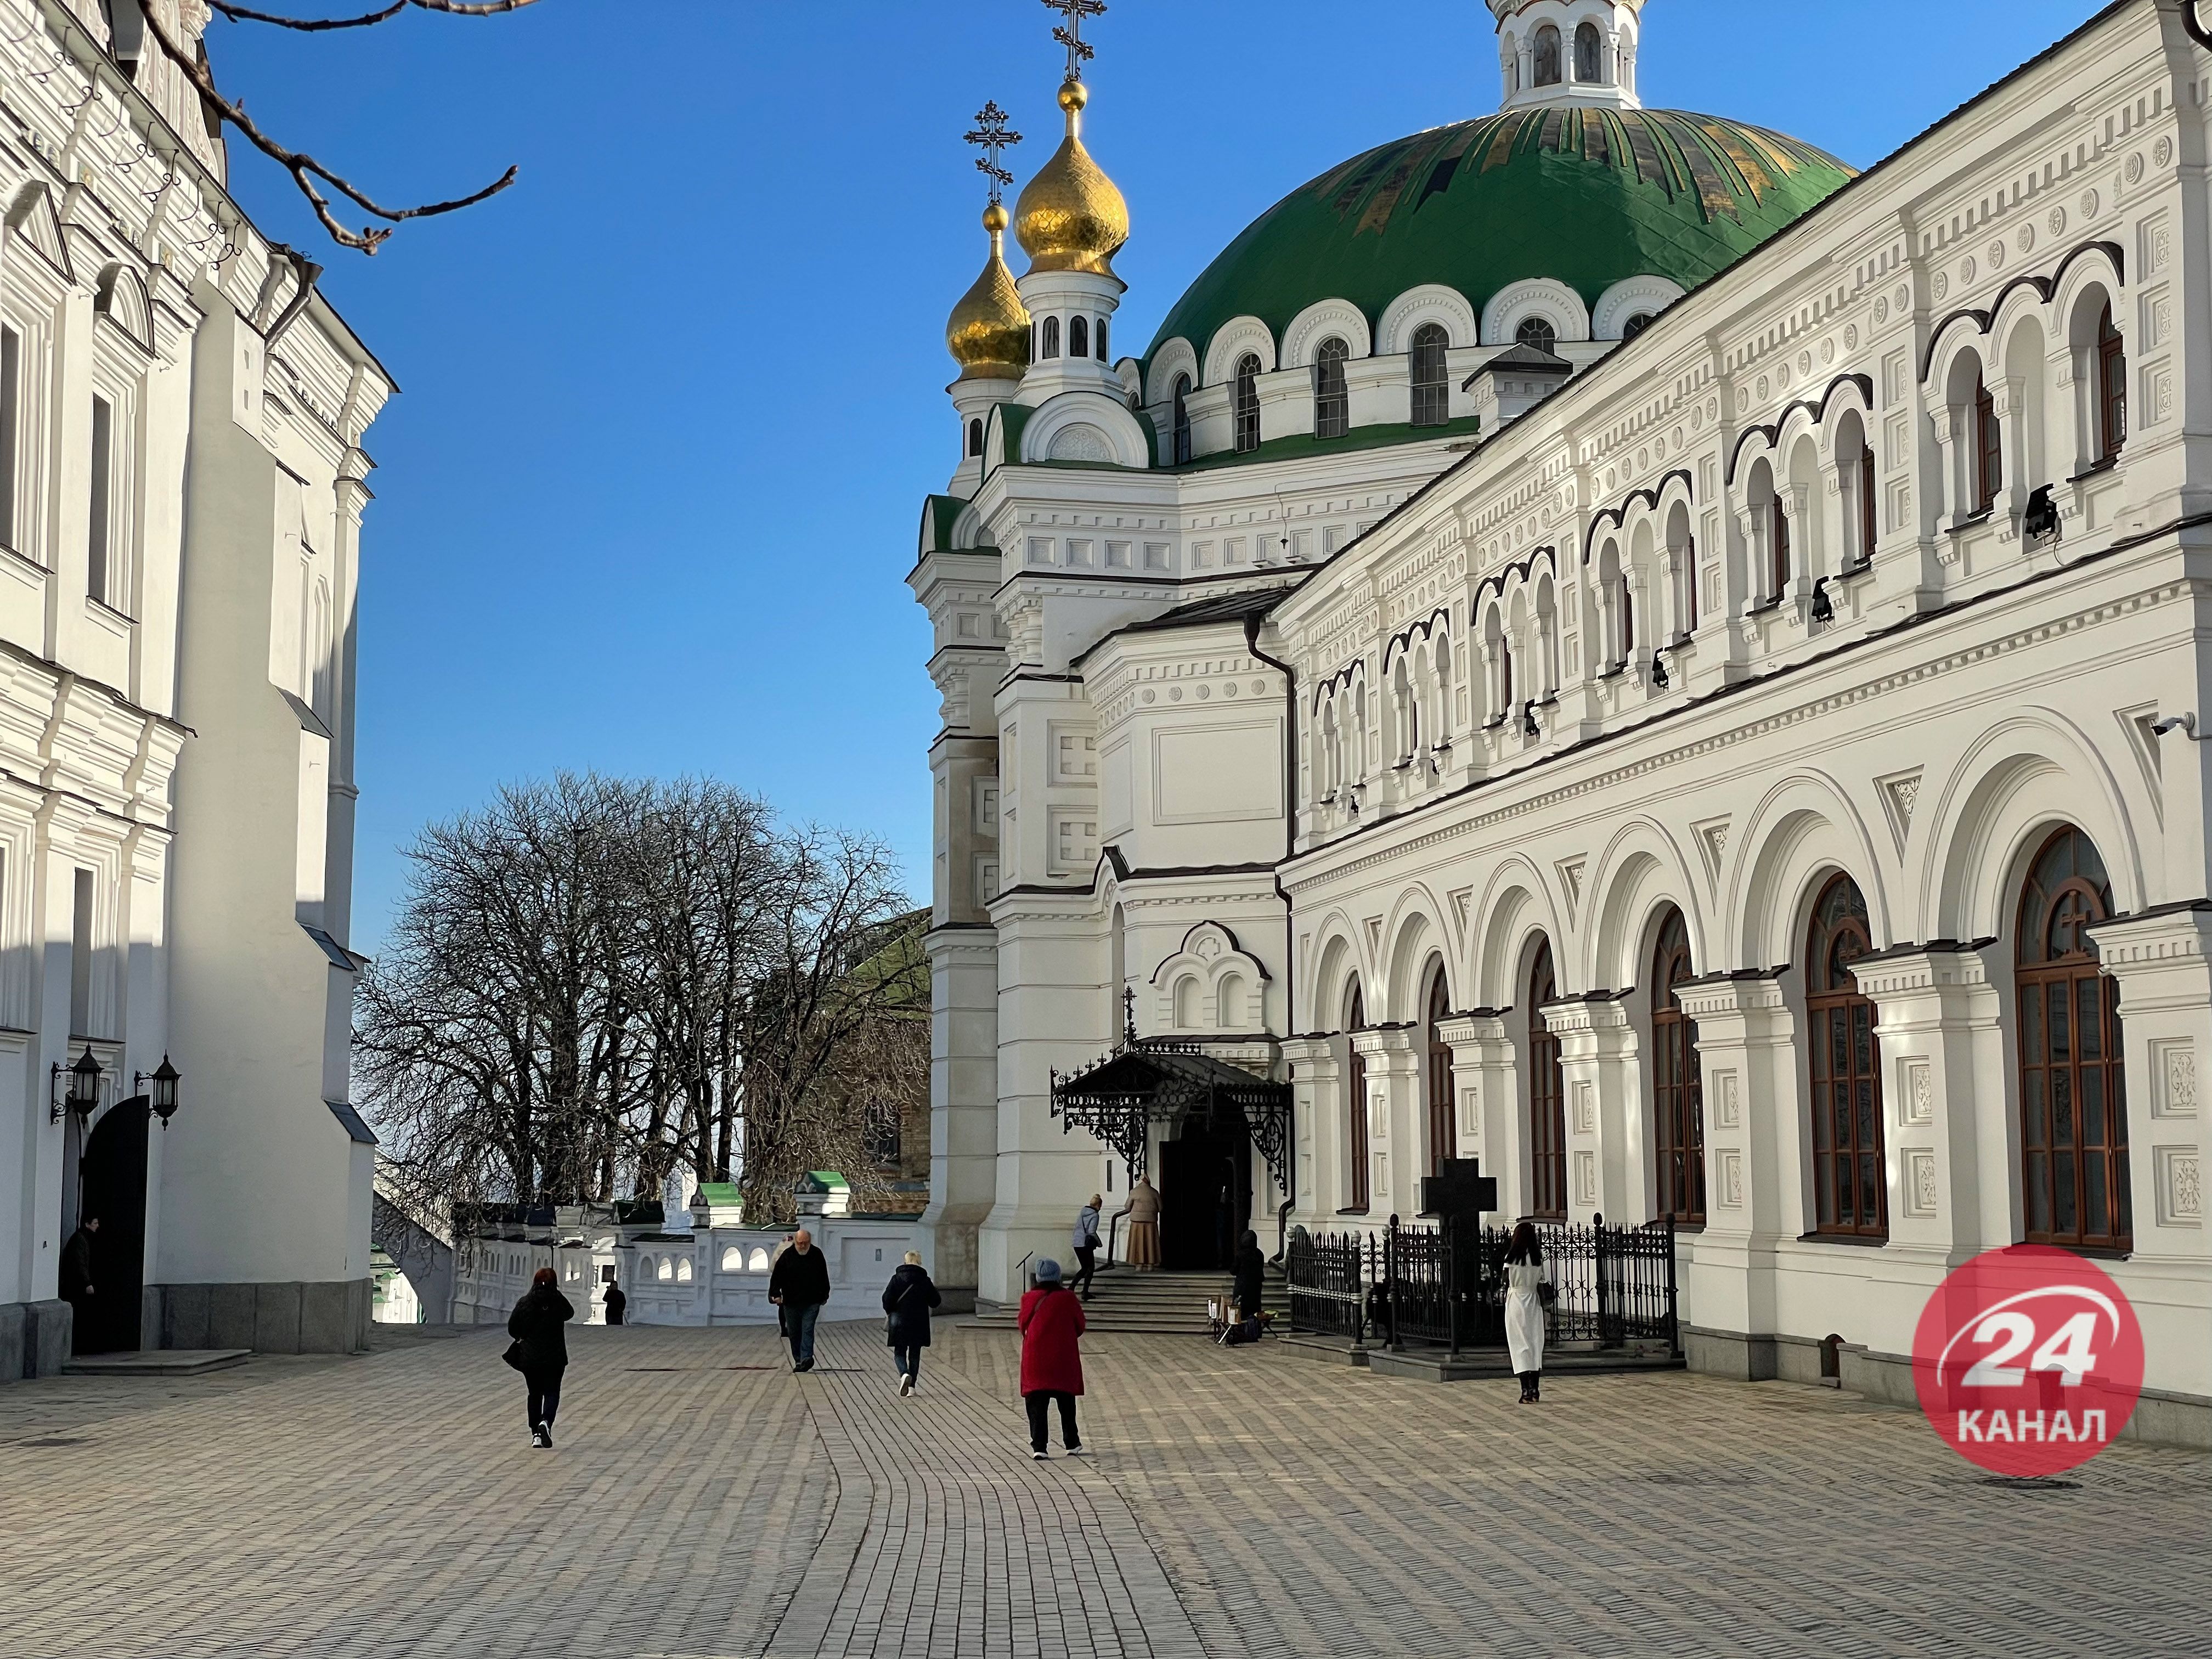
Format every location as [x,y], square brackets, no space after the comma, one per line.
[798,1286]
[541,1350]
[1528,1293]
[616,1302]
[77,1285]
[907,1299]
[1086,1243]
[1051,1325]
[1144,1224]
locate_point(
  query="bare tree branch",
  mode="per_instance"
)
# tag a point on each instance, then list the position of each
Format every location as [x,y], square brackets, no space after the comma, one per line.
[304,168]
[312,24]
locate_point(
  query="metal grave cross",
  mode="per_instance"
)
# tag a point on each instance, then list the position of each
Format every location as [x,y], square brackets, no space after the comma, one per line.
[1460,1191]
[995,137]
[1070,34]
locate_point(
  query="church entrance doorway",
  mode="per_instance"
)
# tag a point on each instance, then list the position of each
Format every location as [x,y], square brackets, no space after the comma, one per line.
[114,1173]
[1205,1195]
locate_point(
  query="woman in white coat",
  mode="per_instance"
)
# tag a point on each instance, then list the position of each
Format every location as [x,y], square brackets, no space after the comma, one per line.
[1527,1291]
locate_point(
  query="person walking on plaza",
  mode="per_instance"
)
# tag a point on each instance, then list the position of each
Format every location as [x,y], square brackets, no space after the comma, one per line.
[540,1351]
[1249,1271]
[1144,1224]
[616,1302]
[1051,1325]
[798,1286]
[907,1299]
[1528,1293]
[1086,1243]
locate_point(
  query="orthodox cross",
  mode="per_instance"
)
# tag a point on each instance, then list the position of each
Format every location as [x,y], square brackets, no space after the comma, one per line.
[995,138]
[1070,34]
[1129,1013]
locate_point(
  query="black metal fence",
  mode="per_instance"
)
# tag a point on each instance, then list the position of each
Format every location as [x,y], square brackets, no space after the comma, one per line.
[1446,1285]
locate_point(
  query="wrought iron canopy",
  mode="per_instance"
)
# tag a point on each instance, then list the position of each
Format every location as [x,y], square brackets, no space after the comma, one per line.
[1118,1099]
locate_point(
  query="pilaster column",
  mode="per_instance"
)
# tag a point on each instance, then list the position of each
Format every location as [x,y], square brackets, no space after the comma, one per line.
[1608,1150]
[963,1097]
[1951,1149]
[2008,398]
[2163,961]
[1754,1145]
[1957,491]
[1316,1154]
[1393,1118]
[1485,1097]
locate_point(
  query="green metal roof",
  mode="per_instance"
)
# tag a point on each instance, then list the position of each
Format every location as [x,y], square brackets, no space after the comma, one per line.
[720,1192]
[1587,197]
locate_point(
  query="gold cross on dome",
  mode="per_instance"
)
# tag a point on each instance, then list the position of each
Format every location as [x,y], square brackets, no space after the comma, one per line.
[995,138]
[1070,34]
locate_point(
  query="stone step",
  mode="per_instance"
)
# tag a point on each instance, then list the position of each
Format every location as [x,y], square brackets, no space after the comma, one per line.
[156,1362]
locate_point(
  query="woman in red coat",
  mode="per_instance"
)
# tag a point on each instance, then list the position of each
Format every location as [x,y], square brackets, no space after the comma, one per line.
[1051,1321]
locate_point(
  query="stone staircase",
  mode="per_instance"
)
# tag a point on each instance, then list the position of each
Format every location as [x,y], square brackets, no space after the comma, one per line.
[1124,1300]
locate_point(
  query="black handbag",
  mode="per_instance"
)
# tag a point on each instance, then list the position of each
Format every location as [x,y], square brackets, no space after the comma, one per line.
[513,1356]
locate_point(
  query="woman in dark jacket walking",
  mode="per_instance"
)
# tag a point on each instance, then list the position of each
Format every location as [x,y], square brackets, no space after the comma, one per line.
[540,1349]
[907,1299]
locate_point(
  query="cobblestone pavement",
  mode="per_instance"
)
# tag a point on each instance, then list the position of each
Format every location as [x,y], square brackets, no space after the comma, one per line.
[704,1504]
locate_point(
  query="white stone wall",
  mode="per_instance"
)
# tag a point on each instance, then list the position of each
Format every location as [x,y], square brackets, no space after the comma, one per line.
[176,704]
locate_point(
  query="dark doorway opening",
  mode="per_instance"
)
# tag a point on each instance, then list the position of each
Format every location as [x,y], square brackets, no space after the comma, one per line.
[1205,1195]
[113,1173]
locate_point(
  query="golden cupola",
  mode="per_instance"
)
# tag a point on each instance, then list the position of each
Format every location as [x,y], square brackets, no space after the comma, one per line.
[989,332]
[1070,216]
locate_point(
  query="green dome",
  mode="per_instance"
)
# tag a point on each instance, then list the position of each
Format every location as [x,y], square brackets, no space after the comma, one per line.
[1585,196]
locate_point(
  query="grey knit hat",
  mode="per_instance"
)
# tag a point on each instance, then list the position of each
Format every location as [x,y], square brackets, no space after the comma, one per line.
[1047,1272]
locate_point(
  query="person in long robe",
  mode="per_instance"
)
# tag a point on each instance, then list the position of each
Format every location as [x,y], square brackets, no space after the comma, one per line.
[1527,1275]
[1144,1224]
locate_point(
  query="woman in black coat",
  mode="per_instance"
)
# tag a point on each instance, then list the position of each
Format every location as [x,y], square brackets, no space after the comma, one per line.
[907,1299]
[540,1349]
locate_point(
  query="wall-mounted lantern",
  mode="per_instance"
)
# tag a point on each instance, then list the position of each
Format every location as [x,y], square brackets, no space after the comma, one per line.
[161,1098]
[82,1096]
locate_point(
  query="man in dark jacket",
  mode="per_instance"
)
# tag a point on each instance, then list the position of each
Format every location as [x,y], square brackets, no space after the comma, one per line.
[800,1285]
[616,1302]
[77,1281]
[907,1299]
[541,1350]
[1249,1269]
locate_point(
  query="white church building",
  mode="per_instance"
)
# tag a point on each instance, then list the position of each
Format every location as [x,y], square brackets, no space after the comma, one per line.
[1596,638]
[181,486]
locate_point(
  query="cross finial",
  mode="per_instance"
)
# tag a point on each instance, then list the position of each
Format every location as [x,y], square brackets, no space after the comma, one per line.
[995,137]
[1070,34]
[1129,1012]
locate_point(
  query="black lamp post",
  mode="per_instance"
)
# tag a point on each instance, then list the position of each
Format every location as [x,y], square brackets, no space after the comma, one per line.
[83,1096]
[161,1098]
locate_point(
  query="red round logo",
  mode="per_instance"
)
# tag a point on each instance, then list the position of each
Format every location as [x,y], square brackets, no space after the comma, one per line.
[2028,1360]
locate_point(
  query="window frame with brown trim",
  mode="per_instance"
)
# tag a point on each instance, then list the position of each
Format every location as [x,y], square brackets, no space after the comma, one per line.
[1842,1053]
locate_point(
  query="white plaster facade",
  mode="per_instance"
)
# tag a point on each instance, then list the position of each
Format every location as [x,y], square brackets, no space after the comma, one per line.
[1547,688]
[184,481]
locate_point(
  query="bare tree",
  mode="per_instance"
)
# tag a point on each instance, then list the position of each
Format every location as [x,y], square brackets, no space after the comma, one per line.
[309,175]
[594,981]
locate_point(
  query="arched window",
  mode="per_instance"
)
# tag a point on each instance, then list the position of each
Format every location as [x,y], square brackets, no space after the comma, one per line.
[1098,333]
[1682,558]
[1332,397]
[1678,1094]
[757,1262]
[1050,330]
[975,437]
[1444,1136]
[1182,420]
[1548,1097]
[1355,1104]
[1625,607]
[1635,325]
[1988,449]
[1537,331]
[1777,546]
[2074,1119]
[1248,403]
[1504,675]
[1548,56]
[1851,1194]
[2111,388]
[1079,336]
[1188,1015]
[1589,55]
[1431,375]
[1229,1007]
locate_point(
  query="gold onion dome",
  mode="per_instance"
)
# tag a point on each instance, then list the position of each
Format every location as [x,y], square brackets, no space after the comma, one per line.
[1070,216]
[988,334]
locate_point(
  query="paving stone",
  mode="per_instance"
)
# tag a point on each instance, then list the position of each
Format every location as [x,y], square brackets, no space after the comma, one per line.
[703,1504]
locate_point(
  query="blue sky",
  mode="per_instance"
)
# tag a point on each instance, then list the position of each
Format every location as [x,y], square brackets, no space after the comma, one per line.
[670,404]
